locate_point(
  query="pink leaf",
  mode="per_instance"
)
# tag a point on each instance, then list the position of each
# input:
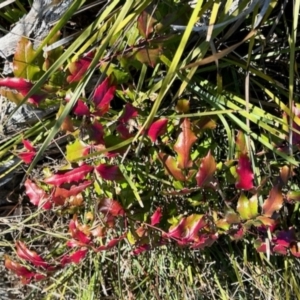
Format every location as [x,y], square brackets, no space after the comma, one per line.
[155,218]
[129,112]
[28,145]
[27,157]
[104,93]
[74,175]
[157,128]
[79,67]
[245,174]
[107,172]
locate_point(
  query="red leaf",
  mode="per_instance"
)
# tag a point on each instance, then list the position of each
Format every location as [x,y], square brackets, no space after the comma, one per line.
[206,171]
[104,93]
[73,190]
[81,109]
[205,240]
[155,218]
[95,133]
[245,174]
[274,201]
[157,128]
[79,67]
[112,243]
[74,175]
[183,145]
[75,257]
[124,131]
[77,234]
[112,207]
[141,248]
[27,157]
[22,271]
[129,112]
[107,172]
[30,256]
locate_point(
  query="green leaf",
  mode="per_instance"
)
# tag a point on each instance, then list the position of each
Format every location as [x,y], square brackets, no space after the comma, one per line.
[247,208]
[23,64]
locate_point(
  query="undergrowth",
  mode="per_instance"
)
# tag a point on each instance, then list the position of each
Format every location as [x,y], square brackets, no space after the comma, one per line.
[175,174]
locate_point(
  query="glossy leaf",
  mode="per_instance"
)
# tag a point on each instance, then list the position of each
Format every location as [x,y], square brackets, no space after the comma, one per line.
[27,157]
[247,208]
[231,217]
[156,217]
[295,249]
[22,86]
[206,171]
[245,174]
[124,131]
[30,256]
[293,195]
[73,190]
[241,144]
[183,106]
[129,112]
[187,229]
[112,207]
[76,257]
[145,24]
[28,145]
[74,175]
[81,109]
[77,234]
[22,271]
[23,64]
[104,93]
[157,128]
[108,172]
[79,67]
[148,56]
[112,243]
[285,174]
[171,167]
[274,202]
[37,196]
[183,145]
